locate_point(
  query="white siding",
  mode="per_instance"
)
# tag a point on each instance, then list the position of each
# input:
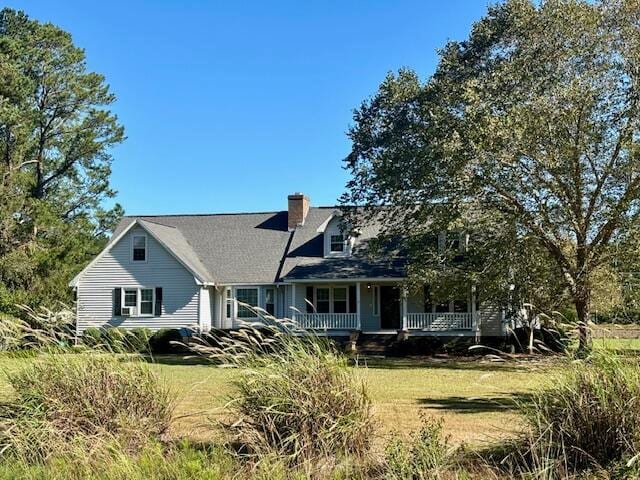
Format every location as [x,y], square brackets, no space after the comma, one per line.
[116,269]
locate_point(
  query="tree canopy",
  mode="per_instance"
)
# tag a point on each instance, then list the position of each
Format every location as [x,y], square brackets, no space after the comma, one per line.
[527,136]
[56,134]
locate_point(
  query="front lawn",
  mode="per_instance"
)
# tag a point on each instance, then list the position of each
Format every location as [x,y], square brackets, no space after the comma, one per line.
[475,398]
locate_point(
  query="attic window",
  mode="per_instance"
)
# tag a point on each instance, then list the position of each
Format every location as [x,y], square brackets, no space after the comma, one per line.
[337,243]
[139,248]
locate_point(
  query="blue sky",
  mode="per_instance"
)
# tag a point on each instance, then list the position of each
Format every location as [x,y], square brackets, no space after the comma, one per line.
[229,106]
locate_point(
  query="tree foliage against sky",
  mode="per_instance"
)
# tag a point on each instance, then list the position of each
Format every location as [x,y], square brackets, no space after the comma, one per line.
[56,132]
[527,135]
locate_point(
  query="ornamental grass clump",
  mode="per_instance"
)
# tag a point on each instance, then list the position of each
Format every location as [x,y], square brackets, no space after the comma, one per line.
[296,397]
[66,404]
[588,419]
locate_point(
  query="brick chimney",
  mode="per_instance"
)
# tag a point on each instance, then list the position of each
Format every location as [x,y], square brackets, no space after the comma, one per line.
[298,209]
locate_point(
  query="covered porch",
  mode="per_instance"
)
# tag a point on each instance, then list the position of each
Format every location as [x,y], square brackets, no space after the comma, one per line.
[379,306]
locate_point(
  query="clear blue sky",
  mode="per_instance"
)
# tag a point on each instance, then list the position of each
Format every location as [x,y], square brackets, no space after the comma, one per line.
[229,106]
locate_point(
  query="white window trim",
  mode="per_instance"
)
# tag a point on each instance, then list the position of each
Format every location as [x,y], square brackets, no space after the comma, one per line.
[376,300]
[138,291]
[274,297]
[331,297]
[235,301]
[146,247]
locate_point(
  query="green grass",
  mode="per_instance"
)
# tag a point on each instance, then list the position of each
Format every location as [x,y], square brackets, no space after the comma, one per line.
[475,398]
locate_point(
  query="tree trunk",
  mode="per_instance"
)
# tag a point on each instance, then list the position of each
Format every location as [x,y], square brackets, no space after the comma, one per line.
[584,337]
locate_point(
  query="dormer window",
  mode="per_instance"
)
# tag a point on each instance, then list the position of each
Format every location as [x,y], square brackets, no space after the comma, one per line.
[337,243]
[139,253]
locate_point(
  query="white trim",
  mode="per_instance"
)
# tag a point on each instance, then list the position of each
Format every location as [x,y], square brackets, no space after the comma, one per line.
[114,241]
[323,226]
[358,306]
[138,305]
[332,298]
[375,292]
[347,280]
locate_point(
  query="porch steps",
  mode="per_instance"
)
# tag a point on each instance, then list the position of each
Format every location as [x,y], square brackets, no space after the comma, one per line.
[374,344]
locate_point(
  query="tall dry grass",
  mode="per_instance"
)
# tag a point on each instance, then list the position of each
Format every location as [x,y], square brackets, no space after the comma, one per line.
[63,404]
[296,398]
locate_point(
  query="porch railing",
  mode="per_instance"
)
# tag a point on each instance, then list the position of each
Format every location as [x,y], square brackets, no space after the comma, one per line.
[440,322]
[327,321]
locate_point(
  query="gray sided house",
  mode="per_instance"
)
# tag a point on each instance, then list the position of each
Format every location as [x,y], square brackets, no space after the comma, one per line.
[198,271]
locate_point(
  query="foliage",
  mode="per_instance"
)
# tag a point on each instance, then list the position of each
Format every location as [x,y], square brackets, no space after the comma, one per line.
[422,456]
[44,329]
[588,418]
[55,136]
[296,397]
[526,136]
[67,404]
[166,340]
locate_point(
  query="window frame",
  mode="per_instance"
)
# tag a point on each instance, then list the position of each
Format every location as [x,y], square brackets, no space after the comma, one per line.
[254,315]
[331,298]
[133,247]
[345,300]
[273,300]
[342,243]
[376,300]
[138,305]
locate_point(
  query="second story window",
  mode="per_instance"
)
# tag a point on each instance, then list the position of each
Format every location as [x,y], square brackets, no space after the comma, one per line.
[337,244]
[139,248]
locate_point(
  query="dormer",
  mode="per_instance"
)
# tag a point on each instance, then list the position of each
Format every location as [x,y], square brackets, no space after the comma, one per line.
[337,241]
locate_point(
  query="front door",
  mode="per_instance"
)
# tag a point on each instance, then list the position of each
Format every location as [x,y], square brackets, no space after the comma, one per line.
[389,308]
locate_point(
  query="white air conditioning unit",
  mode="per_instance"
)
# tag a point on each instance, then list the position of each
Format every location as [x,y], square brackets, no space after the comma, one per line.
[128,311]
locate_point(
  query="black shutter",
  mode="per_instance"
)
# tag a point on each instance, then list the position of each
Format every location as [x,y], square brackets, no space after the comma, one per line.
[353,304]
[157,309]
[117,302]
[309,299]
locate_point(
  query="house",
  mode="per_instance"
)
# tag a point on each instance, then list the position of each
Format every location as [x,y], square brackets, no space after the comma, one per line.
[199,271]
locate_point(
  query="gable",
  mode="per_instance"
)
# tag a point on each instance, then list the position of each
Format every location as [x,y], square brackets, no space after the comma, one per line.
[167,240]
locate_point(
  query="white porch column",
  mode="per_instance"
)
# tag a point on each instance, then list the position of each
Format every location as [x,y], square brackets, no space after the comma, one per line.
[404,310]
[474,313]
[293,302]
[359,309]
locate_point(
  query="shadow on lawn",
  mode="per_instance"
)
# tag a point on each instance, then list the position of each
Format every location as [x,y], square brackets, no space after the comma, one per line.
[477,404]
[446,364]
[178,360]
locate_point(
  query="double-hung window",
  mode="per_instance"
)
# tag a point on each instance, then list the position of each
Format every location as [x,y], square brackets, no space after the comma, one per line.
[336,243]
[142,299]
[146,301]
[340,300]
[139,250]
[247,298]
[323,300]
[130,297]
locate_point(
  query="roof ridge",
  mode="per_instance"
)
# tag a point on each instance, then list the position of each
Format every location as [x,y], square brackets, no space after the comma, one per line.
[202,214]
[156,223]
[220,214]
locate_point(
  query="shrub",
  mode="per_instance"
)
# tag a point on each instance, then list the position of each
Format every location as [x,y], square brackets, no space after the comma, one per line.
[423,455]
[115,339]
[92,337]
[589,417]
[162,341]
[296,398]
[64,403]
[138,339]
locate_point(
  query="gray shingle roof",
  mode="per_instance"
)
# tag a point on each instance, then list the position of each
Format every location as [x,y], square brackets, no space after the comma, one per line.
[258,248]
